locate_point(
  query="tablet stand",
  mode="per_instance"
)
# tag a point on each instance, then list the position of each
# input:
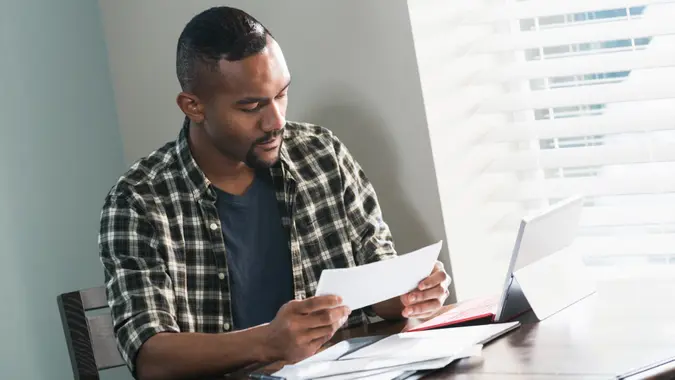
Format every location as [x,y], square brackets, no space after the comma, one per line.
[515,302]
[547,286]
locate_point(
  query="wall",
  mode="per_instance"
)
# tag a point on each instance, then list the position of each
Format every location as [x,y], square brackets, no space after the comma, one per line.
[453,96]
[60,151]
[354,71]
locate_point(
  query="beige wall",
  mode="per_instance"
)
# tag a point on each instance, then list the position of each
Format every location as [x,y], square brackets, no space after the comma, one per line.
[354,71]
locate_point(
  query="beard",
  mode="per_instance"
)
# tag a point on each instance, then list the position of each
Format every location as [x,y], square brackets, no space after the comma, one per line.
[254,161]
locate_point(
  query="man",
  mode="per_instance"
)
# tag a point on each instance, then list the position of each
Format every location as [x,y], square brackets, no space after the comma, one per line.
[213,244]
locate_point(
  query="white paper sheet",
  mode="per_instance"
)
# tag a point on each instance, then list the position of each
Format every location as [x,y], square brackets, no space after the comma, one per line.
[357,368]
[341,349]
[432,343]
[369,284]
[378,374]
[385,375]
[369,367]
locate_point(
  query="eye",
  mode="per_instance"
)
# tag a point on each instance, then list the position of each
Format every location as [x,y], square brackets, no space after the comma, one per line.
[281,96]
[256,107]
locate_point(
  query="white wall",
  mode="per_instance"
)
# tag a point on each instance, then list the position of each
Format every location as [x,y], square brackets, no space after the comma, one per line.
[60,152]
[448,67]
[354,71]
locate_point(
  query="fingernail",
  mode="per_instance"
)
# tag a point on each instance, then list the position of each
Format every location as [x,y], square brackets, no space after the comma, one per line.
[412,298]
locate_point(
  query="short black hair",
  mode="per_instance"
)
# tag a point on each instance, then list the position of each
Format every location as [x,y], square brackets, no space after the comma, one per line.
[215,34]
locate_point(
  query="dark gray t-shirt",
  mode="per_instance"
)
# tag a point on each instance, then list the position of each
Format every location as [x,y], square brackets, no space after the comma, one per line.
[258,253]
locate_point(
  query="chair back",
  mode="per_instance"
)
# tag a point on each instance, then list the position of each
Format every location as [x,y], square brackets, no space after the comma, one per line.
[90,339]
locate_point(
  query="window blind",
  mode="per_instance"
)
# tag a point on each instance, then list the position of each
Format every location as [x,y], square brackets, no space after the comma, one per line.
[548,99]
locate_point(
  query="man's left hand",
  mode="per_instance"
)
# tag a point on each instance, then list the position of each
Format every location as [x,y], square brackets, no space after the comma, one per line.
[429,296]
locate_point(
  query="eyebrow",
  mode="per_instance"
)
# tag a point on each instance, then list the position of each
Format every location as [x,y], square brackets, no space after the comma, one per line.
[251,100]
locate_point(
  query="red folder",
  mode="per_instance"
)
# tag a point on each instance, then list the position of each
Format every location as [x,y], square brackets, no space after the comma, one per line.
[477,311]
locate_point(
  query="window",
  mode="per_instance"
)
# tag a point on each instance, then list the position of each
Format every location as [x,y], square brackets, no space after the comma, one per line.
[546,99]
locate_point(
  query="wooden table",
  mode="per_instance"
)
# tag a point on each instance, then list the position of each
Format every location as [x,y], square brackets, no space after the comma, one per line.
[625,325]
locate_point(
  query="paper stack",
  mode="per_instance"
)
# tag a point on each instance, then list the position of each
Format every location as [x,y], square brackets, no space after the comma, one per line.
[396,356]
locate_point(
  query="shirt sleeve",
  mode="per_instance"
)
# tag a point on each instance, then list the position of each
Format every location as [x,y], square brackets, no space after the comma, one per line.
[139,290]
[373,238]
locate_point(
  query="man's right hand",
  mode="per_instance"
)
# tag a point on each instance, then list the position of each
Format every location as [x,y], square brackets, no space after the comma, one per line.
[300,328]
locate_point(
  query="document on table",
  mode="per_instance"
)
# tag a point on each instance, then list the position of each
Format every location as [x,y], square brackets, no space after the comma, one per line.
[341,349]
[389,357]
[368,367]
[432,343]
[369,284]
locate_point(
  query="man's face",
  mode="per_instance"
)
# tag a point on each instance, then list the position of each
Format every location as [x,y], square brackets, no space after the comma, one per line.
[245,116]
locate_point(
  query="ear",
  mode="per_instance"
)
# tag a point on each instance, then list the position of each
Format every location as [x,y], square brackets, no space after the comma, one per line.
[191,106]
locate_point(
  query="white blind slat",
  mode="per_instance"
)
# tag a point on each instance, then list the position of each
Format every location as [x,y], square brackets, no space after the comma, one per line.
[643,214]
[578,34]
[606,246]
[654,89]
[641,245]
[588,126]
[627,215]
[590,187]
[610,154]
[532,9]
[577,65]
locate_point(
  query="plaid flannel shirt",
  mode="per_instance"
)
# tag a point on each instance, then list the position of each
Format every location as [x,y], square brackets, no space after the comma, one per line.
[163,251]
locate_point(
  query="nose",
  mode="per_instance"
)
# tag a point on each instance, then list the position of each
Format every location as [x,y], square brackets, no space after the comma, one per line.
[275,119]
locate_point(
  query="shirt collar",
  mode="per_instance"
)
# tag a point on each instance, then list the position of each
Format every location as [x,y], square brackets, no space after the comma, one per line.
[196,178]
[198,182]
[287,164]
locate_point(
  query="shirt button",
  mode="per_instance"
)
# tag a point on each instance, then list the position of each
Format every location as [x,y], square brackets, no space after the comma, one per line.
[214,226]
[221,276]
[226,327]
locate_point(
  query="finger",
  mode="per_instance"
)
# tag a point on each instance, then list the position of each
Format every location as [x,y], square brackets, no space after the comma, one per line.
[317,343]
[320,332]
[438,267]
[319,336]
[436,278]
[326,317]
[424,316]
[419,309]
[313,304]
[417,296]
[328,330]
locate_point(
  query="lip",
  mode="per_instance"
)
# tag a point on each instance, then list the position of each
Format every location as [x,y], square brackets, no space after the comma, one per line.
[270,144]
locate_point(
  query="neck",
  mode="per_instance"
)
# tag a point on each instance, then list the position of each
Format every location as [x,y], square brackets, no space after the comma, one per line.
[218,168]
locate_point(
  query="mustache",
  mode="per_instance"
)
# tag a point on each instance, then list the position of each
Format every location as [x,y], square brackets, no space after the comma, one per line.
[269,136]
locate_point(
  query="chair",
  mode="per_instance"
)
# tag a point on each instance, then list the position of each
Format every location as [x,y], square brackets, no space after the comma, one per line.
[90,339]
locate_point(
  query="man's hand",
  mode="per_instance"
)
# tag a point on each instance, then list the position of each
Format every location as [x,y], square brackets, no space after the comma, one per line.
[302,327]
[429,296]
